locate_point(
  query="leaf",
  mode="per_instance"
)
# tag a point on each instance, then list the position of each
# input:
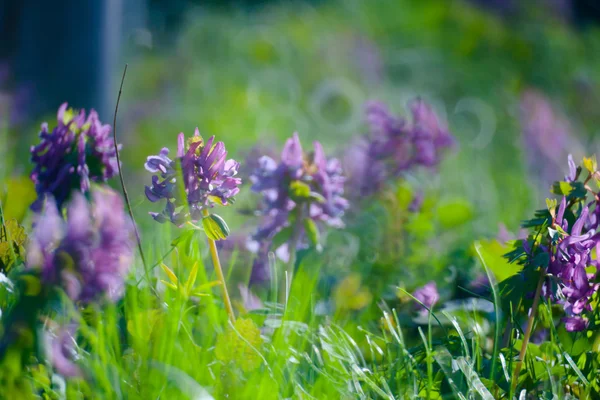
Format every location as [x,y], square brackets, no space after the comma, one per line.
[569,189]
[590,164]
[215,227]
[191,281]
[312,231]
[12,242]
[282,237]
[561,188]
[240,346]
[493,253]
[170,274]
[299,191]
[317,197]
[18,198]
[185,237]
[453,213]
[404,195]
[420,225]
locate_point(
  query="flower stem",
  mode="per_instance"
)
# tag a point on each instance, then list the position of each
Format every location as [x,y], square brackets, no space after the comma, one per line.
[529,329]
[217,264]
[125,194]
[293,245]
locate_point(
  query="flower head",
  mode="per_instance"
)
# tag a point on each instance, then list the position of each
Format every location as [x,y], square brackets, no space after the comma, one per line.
[395,145]
[569,261]
[89,254]
[546,136]
[299,181]
[427,294]
[197,178]
[78,150]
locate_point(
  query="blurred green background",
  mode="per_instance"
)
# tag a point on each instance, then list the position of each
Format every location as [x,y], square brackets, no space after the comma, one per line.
[254,72]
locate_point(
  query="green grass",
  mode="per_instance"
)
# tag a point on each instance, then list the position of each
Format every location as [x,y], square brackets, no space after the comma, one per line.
[256,78]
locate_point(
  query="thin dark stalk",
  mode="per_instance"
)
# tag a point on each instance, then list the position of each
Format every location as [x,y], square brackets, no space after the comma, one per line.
[129,209]
[530,322]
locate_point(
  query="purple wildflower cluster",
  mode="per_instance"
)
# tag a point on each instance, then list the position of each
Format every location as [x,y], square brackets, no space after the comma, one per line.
[89,253]
[196,179]
[546,137]
[569,260]
[279,183]
[78,150]
[395,145]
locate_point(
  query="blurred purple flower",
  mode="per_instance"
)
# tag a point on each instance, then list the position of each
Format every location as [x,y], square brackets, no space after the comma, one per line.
[575,324]
[546,136]
[369,60]
[275,181]
[250,300]
[89,254]
[77,151]
[197,178]
[395,145]
[61,349]
[427,294]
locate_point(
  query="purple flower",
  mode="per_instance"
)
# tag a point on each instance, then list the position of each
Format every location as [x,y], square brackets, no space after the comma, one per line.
[570,258]
[61,349]
[89,254]
[197,178]
[394,146]
[323,201]
[427,294]
[323,178]
[575,324]
[250,300]
[369,60]
[546,136]
[77,151]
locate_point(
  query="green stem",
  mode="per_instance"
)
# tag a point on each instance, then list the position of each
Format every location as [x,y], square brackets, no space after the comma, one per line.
[529,329]
[293,247]
[217,264]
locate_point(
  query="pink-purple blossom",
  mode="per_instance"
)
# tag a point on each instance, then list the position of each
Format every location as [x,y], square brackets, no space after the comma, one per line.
[394,146]
[77,151]
[87,255]
[198,177]
[427,294]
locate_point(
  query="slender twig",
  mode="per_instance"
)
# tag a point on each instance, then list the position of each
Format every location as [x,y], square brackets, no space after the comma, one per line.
[137,233]
[530,322]
[219,270]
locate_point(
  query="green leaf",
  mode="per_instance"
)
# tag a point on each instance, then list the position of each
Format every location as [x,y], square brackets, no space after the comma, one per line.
[569,189]
[453,213]
[590,164]
[18,197]
[404,195]
[493,253]
[12,244]
[317,197]
[420,225]
[311,231]
[282,237]
[299,191]
[215,227]
[185,237]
